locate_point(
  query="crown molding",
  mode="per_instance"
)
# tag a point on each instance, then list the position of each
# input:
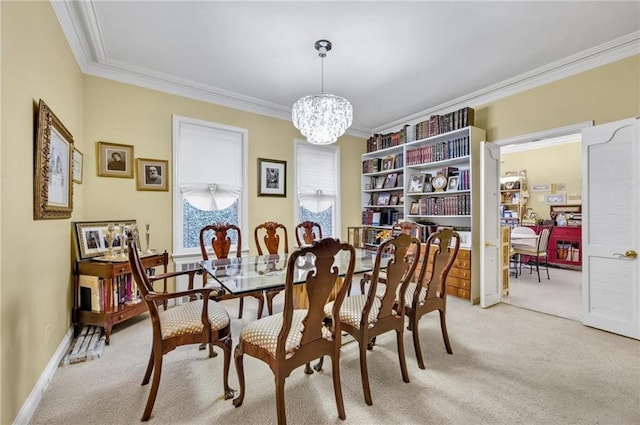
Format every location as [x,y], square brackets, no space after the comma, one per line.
[80,26]
[603,54]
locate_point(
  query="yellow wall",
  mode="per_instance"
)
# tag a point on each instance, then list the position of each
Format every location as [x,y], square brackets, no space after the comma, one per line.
[554,164]
[36,255]
[126,114]
[608,93]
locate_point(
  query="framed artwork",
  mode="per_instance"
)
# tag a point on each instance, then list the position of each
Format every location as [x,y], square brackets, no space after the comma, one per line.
[91,237]
[387,163]
[416,183]
[395,197]
[415,208]
[152,174]
[115,160]
[78,163]
[380,182]
[453,183]
[383,198]
[391,180]
[272,177]
[556,198]
[52,188]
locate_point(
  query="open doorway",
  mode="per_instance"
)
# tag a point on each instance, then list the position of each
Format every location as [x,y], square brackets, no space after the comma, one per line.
[553,175]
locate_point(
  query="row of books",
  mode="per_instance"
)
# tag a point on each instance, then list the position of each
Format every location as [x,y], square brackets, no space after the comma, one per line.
[453,148]
[436,124]
[439,124]
[386,163]
[445,205]
[96,296]
[372,217]
[384,141]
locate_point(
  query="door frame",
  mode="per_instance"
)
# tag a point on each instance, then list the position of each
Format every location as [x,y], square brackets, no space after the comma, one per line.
[523,139]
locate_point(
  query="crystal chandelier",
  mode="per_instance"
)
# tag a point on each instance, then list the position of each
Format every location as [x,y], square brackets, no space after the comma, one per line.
[322,118]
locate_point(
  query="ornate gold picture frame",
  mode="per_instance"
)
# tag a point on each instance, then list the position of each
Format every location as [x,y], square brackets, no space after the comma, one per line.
[52,185]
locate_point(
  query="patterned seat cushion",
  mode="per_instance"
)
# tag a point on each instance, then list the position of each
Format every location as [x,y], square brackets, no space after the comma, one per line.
[264,332]
[351,310]
[187,319]
[408,296]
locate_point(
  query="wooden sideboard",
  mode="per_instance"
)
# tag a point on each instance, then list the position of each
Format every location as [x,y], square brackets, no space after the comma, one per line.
[109,279]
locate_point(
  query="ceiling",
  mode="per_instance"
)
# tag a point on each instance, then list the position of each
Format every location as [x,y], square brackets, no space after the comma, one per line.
[395,61]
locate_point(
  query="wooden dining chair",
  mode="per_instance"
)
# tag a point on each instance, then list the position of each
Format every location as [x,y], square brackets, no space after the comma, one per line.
[217,237]
[369,315]
[295,337]
[438,256]
[307,232]
[408,227]
[272,233]
[199,321]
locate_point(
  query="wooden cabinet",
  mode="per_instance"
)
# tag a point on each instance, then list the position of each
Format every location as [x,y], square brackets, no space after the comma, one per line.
[565,247]
[459,279]
[112,278]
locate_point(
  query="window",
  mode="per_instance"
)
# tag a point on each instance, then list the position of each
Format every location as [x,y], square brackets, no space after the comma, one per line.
[317,193]
[209,163]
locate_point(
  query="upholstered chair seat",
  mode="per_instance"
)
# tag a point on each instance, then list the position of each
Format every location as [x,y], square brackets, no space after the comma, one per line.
[187,319]
[351,310]
[264,332]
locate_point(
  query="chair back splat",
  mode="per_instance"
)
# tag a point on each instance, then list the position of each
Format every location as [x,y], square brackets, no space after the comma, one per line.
[309,231]
[220,241]
[217,237]
[271,238]
[272,232]
[295,337]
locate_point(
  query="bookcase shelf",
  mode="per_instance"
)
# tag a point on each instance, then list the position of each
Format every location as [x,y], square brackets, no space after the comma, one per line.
[113,282]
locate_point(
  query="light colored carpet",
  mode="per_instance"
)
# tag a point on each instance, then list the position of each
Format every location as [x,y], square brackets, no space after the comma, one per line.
[509,366]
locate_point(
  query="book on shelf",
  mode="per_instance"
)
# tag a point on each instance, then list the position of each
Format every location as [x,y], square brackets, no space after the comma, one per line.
[90,293]
[375,218]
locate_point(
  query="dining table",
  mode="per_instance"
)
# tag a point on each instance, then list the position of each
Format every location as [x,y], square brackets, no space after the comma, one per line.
[241,275]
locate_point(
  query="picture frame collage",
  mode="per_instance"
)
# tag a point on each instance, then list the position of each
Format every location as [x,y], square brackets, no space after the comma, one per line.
[117,160]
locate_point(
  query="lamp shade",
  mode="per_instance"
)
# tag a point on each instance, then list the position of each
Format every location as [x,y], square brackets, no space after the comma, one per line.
[322,118]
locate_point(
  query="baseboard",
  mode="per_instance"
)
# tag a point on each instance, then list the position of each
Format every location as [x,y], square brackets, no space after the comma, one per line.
[31,403]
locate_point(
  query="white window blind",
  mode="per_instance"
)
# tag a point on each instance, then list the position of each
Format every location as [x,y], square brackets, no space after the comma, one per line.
[210,176]
[317,185]
[317,189]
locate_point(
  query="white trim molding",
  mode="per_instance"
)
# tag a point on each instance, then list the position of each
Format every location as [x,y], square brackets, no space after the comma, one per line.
[31,403]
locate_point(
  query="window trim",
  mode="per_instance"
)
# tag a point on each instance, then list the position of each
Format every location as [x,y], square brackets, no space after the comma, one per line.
[243,207]
[337,224]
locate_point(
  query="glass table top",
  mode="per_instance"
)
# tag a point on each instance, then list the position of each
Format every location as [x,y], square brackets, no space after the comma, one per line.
[240,275]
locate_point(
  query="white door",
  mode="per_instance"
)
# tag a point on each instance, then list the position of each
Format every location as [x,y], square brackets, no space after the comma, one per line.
[611,227]
[490,244]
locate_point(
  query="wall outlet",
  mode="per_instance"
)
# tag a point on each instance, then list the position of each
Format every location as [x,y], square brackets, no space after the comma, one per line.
[47,333]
